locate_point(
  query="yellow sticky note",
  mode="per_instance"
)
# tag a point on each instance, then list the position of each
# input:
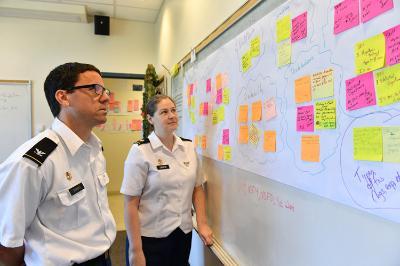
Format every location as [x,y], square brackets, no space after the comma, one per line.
[256,111]
[193,102]
[246,61]
[227,153]
[302,89]
[325,114]
[370,54]
[284,53]
[243,134]
[388,85]
[215,117]
[270,141]
[322,84]
[204,142]
[255,47]
[367,144]
[192,117]
[226,95]
[243,113]
[220,152]
[391,144]
[310,148]
[221,113]
[283,28]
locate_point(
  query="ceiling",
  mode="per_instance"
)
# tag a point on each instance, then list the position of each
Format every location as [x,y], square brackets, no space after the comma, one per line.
[79,10]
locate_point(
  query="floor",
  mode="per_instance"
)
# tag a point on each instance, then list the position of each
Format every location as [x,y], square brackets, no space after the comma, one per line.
[116,203]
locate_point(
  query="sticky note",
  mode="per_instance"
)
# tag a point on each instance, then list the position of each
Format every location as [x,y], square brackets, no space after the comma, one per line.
[388,85]
[191,89]
[270,109]
[246,61]
[136,105]
[226,95]
[360,92]
[196,141]
[299,27]
[136,124]
[205,108]
[220,152]
[284,53]
[204,142]
[130,106]
[255,47]
[325,114]
[243,134]
[270,141]
[192,117]
[201,109]
[369,54]
[346,16]
[218,99]
[367,144]
[310,148]
[243,113]
[225,136]
[391,144]
[256,111]
[221,113]
[218,81]
[224,80]
[254,134]
[302,89]
[305,118]
[227,153]
[322,84]
[215,117]
[208,85]
[373,8]
[392,41]
[283,28]
[193,102]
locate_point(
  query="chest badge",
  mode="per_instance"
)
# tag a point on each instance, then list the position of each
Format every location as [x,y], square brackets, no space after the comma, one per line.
[160,162]
[68,176]
[186,164]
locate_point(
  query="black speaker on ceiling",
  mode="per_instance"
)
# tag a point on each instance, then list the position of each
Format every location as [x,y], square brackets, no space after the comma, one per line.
[101,25]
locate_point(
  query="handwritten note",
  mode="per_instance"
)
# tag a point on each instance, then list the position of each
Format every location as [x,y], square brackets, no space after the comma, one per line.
[226,95]
[346,16]
[218,99]
[243,134]
[201,109]
[204,142]
[270,109]
[243,113]
[283,28]
[220,152]
[205,108]
[208,85]
[246,61]
[299,27]
[254,134]
[310,148]
[392,37]
[215,117]
[255,47]
[367,144]
[227,153]
[322,84]
[360,92]
[325,114]
[302,89]
[218,81]
[270,141]
[370,54]
[221,113]
[284,53]
[373,8]
[256,111]
[225,136]
[391,144]
[388,85]
[305,118]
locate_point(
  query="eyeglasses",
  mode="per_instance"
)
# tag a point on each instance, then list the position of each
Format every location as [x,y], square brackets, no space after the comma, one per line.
[98,89]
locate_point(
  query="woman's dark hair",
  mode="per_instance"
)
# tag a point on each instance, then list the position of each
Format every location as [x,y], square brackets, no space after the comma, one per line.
[151,106]
[62,77]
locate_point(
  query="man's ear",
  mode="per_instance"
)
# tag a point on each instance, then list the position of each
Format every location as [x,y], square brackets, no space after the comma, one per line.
[62,98]
[150,119]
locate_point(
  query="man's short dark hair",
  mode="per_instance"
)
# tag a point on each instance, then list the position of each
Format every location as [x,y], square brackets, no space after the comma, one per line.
[62,77]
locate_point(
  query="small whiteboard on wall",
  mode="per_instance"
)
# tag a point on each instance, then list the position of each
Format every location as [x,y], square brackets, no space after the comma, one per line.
[15,115]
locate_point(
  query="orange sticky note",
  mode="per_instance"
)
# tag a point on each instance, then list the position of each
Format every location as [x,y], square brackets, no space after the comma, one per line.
[204,142]
[302,87]
[243,134]
[201,109]
[130,106]
[196,141]
[243,113]
[270,141]
[310,148]
[220,152]
[256,110]
[218,81]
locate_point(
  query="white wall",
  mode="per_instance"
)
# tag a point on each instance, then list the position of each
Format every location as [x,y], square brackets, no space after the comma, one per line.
[30,49]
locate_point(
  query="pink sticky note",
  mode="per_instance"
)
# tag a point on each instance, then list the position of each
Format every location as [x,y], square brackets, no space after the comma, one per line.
[270,109]
[346,16]
[299,27]
[360,92]
[225,137]
[373,8]
[191,88]
[219,96]
[208,86]
[135,105]
[392,37]
[305,118]
[205,108]
[130,106]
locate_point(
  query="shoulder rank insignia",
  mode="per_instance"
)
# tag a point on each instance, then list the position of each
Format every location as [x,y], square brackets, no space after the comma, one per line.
[183,139]
[39,152]
[142,141]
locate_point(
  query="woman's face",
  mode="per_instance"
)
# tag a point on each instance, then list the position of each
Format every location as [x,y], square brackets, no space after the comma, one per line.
[165,118]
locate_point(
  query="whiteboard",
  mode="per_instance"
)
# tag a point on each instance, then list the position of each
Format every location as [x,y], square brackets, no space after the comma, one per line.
[337,175]
[15,115]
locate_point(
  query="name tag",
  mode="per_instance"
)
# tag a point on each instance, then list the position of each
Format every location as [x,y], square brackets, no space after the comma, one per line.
[76,189]
[162,167]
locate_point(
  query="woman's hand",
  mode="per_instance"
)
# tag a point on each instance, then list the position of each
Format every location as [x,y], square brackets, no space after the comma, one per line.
[206,234]
[137,258]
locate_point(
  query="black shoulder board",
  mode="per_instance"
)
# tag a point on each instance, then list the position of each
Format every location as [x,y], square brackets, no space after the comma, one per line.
[183,139]
[142,141]
[40,151]
[102,148]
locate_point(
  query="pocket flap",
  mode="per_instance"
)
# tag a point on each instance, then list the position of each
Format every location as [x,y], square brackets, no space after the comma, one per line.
[67,199]
[104,179]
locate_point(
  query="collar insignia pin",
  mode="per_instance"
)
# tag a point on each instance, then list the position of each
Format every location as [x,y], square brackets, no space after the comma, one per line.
[186,164]
[68,175]
[160,162]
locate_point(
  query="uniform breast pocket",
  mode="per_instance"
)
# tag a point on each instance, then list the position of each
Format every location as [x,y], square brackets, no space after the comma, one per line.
[73,212]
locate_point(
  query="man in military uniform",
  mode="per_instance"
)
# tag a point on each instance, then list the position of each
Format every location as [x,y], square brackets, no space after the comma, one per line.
[53,195]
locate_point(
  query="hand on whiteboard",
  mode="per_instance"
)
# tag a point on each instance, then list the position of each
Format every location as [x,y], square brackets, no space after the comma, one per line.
[206,234]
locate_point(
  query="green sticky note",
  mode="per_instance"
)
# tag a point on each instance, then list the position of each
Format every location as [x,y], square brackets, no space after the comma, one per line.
[284,53]
[255,47]
[192,117]
[221,113]
[283,28]
[322,84]
[388,85]
[370,54]
[325,114]
[367,144]
[391,144]
[214,117]
[226,95]
[246,61]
